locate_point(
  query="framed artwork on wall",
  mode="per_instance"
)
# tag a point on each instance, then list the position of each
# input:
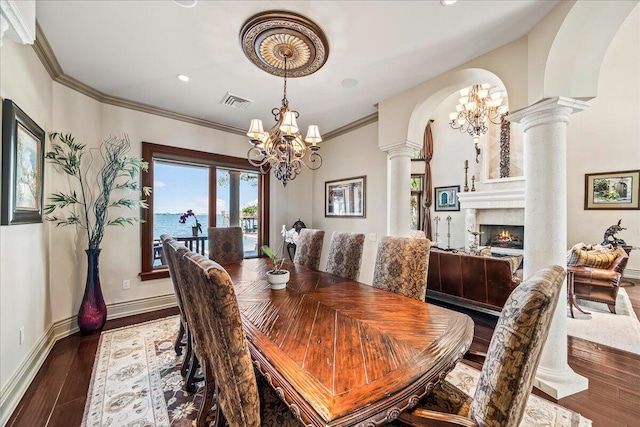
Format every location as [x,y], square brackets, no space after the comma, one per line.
[22,167]
[345,197]
[446,198]
[612,190]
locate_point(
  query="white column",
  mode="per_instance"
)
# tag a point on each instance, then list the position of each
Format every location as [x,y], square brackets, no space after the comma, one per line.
[545,218]
[234,198]
[399,186]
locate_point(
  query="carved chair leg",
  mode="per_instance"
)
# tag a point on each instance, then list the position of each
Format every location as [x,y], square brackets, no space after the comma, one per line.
[190,381]
[612,308]
[177,346]
[210,395]
[184,369]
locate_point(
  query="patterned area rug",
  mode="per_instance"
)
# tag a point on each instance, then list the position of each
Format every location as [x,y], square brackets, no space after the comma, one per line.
[136,382]
[621,330]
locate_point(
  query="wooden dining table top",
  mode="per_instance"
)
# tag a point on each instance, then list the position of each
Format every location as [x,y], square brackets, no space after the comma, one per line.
[340,352]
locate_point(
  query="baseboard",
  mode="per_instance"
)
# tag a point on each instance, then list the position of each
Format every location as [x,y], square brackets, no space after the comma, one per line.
[632,273]
[18,383]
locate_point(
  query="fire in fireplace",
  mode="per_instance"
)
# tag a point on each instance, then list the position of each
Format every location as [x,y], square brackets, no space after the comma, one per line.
[502,236]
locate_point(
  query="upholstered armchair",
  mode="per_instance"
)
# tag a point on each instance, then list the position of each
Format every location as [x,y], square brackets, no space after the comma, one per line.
[345,255]
[401,266]
[596,276]
[510,365]
[309,248]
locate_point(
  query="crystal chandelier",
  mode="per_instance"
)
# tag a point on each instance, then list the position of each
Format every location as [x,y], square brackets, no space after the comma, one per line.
[478,104]
[282,148]
[288,45]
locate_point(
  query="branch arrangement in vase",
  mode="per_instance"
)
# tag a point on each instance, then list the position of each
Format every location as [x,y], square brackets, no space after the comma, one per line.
[87,207]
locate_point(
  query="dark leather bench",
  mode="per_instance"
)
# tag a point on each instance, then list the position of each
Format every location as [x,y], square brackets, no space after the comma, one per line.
[480,281]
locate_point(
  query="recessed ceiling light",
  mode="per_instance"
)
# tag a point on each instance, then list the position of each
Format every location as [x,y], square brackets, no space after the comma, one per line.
[185,3]
[447,2]
[349,82]
[183,78]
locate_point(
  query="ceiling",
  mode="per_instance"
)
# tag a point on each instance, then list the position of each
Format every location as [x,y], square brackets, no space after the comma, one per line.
[135,49]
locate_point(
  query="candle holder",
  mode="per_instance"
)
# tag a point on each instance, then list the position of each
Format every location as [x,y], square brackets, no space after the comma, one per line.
[473,248]
[448,231]
[436,220]
[466,183]
[473,183]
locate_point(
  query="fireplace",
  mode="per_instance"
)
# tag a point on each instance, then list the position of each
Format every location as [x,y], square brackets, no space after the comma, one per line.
[502,236]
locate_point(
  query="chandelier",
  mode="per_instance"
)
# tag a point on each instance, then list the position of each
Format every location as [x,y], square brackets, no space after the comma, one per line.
[288,45]
[478,105]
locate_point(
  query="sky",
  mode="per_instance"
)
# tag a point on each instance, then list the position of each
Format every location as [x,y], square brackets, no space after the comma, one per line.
[178,188]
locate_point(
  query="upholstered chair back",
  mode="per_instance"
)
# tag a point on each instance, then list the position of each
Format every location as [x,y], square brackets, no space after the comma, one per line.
[225,244]
[515,349]
[345,255]
[218,327]
[171,249]
[401,266]
[309,248]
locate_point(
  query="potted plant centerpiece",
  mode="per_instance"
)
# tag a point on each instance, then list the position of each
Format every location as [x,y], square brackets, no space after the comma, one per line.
[88,205]
[277,276]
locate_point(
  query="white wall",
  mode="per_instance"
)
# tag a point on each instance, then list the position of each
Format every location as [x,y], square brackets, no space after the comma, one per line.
[605,138]
[346,156]
[23,255]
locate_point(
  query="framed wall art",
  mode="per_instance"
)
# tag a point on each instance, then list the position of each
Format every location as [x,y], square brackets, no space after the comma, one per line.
[612,190]
[345,197]
[22,167]
[446,198]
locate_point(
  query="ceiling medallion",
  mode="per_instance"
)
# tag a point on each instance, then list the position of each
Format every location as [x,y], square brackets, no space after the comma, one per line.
[269,37]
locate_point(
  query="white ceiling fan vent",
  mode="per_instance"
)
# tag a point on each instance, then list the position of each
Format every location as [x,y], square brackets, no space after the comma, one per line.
[235,101]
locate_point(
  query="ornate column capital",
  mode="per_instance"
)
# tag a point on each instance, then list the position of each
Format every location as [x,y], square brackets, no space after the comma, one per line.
[401,149]
[548,111]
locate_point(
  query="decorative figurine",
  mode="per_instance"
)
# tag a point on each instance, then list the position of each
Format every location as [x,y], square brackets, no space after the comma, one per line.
[610,235]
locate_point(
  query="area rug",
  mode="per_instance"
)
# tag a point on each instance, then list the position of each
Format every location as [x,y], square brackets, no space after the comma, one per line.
[136,382]
[621,330]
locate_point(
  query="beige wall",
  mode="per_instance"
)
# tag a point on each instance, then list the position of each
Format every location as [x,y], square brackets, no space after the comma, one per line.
[24,290]
[350,155]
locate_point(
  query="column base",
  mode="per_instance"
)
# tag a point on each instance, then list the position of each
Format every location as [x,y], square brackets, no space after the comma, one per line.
[559,384]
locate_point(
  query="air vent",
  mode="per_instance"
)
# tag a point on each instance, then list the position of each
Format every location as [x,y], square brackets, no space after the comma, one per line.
[235,101]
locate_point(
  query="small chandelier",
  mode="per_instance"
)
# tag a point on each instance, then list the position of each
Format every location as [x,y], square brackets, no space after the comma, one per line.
[288,45]
[478,104]
[282,148]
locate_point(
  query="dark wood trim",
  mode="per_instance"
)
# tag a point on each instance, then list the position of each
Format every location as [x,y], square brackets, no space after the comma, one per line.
[263,200]
[151,152]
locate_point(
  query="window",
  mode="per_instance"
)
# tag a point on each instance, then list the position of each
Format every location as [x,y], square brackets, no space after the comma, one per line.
[221,191]
[417,196]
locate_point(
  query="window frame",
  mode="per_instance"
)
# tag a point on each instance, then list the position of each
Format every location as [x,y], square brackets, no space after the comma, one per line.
[421,208]
[152,152]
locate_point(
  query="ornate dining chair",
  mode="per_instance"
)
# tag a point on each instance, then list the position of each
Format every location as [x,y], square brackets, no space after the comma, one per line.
[245,401]
[174,251]
[225,244]
[309,248]
[510,365]
[345,255]
[401,266]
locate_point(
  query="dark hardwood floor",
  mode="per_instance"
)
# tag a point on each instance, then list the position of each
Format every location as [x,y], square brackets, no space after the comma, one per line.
[57,396]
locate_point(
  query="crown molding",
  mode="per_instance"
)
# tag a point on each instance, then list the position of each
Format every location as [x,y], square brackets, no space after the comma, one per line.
[45,53]
[371,118]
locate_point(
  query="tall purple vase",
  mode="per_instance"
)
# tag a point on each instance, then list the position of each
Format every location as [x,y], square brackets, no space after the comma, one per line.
[93,311]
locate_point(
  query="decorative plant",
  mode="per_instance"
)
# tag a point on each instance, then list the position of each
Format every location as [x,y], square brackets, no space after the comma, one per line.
[187,214]
[278,261]
[89,210]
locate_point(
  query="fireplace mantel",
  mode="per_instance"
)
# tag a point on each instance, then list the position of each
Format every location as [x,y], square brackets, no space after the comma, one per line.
[494,199]
[473,201]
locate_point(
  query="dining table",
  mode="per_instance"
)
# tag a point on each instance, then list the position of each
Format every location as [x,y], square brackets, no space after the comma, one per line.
[342,353]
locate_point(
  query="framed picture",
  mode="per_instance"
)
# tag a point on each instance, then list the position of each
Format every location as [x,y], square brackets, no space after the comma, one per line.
[345,197]
[612,190]
[446,198]
[22,167]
